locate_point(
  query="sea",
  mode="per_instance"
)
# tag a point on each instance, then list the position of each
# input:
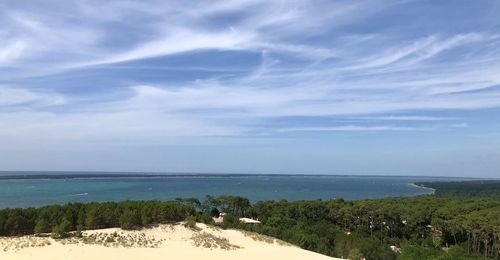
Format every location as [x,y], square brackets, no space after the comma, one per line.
[36,189]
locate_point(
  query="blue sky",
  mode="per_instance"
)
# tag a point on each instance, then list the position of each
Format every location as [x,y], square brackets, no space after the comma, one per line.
[326,87]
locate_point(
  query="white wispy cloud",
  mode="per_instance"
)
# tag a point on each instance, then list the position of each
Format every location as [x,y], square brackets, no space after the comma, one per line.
[11,52]
[406,118]
[177,41]
[460,125]
[18,97]
[351,128]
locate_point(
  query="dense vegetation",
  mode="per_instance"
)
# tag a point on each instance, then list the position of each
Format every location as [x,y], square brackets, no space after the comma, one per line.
[423,227]
[465,188]
[418,226]
[451,225]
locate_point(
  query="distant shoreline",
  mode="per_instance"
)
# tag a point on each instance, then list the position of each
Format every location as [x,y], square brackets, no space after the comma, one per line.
[13,175]
[423,187]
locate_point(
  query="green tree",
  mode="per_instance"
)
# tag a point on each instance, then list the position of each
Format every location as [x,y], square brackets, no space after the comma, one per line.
[62,229]
[42,226]
[129,219]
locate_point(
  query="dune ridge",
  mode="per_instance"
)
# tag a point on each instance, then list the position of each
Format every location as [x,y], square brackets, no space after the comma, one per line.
[159,242]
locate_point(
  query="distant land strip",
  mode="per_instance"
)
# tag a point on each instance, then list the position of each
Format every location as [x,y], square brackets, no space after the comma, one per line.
[13,175]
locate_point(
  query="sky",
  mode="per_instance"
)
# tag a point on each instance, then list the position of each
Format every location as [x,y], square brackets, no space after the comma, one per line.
[309,87]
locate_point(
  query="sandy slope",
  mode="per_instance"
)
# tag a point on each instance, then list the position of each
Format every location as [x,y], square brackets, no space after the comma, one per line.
[162,242]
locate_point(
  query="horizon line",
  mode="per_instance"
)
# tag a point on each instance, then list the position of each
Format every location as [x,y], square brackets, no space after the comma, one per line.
[29,173]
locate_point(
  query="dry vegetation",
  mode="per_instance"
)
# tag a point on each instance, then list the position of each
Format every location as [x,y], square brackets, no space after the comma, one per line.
[125,239]
[115,239]
[264,238]
[207,240]
[17,243]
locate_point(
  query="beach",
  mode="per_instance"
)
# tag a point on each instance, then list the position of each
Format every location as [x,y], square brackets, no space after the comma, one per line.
[167,241]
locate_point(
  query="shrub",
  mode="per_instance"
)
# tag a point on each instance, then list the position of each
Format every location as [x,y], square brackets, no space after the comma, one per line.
[355,254]
[191,223]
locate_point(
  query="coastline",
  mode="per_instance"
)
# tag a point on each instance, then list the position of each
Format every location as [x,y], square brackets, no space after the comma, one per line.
[423,187]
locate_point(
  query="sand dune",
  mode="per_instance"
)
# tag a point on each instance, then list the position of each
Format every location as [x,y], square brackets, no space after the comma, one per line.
[161,242]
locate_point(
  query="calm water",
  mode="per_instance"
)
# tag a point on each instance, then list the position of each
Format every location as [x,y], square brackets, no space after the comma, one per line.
[44,191]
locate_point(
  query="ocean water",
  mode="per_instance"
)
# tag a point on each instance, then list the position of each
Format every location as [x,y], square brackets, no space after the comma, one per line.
[49,188]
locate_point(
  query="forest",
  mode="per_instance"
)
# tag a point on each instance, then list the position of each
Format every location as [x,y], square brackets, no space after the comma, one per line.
[61,219]
[441,226]
[478,188]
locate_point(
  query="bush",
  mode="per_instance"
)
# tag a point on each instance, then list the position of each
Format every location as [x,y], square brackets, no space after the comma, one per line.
[230,221]
[205,218]
[355,254]
[191,223]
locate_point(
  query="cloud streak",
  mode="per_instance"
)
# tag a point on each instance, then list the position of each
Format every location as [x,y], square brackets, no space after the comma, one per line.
[350,128]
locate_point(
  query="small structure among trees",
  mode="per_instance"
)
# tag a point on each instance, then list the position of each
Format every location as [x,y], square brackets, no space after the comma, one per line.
[249,221]
[219,218]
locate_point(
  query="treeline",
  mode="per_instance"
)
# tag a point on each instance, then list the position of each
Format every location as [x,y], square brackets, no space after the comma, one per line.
[60,219]
[483,188]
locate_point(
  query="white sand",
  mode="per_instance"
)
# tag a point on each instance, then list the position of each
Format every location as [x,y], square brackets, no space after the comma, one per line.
[162,242]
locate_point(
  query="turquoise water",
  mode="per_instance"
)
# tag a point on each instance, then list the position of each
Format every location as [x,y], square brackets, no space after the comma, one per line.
[44,190]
